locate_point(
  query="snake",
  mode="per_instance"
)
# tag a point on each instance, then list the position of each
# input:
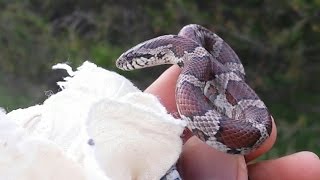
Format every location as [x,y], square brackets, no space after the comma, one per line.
[211,93]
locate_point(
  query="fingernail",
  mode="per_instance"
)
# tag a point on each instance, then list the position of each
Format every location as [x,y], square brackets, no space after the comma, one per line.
[228,166]
[242,168]
[200,161]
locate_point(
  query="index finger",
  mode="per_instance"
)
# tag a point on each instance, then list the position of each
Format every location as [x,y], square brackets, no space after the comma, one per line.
[164,88]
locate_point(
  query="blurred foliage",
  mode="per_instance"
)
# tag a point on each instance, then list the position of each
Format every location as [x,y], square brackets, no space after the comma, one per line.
[278,42]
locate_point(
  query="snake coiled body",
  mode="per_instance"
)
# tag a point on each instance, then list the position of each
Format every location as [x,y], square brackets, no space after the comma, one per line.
[211,92]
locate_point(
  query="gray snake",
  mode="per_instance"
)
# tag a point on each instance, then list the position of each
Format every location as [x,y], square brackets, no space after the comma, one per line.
[211,92]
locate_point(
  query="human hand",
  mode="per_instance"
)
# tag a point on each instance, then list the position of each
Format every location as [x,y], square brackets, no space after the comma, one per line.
[200,161]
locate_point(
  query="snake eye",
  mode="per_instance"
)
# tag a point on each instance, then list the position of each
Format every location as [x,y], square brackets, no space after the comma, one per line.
[129,57]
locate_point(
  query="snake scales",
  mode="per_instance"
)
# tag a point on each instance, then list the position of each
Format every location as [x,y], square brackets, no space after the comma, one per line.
[211,92]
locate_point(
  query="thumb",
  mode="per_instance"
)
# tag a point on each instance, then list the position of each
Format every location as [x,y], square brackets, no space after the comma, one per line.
[200,161]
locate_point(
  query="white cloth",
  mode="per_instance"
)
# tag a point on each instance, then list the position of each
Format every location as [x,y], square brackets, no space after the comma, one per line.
[130,132]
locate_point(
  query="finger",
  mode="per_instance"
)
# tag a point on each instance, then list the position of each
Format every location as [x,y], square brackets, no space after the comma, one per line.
[266,146]
[302,165]
[200,161]
[164,88]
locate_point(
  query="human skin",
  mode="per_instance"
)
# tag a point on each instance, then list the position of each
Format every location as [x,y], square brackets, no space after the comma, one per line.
[200,161]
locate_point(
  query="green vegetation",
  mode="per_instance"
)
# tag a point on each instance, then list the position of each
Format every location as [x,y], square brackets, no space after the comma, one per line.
[278,42]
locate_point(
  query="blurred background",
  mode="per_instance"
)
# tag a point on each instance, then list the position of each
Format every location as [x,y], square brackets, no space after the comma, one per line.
[277,41]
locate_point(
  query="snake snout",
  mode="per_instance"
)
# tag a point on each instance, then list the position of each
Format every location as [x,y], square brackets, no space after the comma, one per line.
[120,62]
[124,62]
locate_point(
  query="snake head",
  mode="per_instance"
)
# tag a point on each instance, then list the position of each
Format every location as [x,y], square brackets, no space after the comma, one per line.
[132,59]
[152,52]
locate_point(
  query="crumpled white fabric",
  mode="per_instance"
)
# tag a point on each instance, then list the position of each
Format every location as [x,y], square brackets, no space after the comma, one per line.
[99,126]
